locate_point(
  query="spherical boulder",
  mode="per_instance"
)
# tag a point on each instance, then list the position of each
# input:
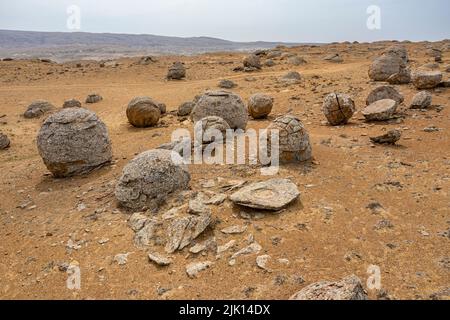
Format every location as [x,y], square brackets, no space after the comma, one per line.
[423,79]
[223,104]
[143,112]
[37,109]
[177,71]
[338,108]
[260,105]
[150,178]
[4,141]
[74,141]
[206,129]
[72,103]
[294,143]
[384,92]
[422,100]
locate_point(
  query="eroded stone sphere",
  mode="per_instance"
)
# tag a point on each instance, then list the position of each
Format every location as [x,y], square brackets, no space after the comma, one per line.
[143,112]
[150,178]
[223,104]
[206,129]
[260,105]
[294,143]
[74,141]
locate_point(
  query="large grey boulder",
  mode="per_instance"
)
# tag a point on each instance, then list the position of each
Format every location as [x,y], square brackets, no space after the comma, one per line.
[74,141]
[150,178]
[38,108]
[223,104]
[384,92]
[349,288]
[274,194]
[338,108]
[143,112]
[260,105]
[252,61]
[294,143]
[391,66]
[423,79]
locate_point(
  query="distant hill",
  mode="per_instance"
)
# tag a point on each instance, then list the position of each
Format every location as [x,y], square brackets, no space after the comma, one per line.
[82,45]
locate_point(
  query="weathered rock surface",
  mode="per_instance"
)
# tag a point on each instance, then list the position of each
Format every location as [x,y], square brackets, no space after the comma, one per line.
[207,130]
[384,92]
[350,288]
[4,141]
[333,57]
[260,105]
[252,61]
[223,104]
[72,103]
[292,77]
[150,178]
[338,108]
[74,141]
[226,84]
[274,194]
[389,138]
[37,109]
[159,259]
[423,79]
[94,98]
[380,110]
[294,143]
[392,63]
[185,109]
[143,112]
[193,269]
[177,71]
[184,230]
[421,100]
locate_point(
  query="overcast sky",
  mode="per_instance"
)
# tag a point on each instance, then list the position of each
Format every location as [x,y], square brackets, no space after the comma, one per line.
[239,20]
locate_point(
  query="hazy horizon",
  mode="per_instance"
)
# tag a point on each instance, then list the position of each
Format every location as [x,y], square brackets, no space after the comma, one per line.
[320,21]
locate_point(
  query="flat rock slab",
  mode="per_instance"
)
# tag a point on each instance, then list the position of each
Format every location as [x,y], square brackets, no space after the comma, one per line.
[380,110]
[274,194]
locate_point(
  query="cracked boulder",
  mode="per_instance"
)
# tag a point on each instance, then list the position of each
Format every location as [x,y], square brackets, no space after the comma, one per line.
[338,108]
[150,178]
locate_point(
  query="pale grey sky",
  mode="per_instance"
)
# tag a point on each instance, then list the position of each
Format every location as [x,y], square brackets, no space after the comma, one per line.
[239,20]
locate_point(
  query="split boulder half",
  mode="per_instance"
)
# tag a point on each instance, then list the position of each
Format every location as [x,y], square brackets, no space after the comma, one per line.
[150,178]
[74,141]
[274,194]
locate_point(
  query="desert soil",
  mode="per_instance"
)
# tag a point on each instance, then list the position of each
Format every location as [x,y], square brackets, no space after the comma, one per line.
[327,234]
